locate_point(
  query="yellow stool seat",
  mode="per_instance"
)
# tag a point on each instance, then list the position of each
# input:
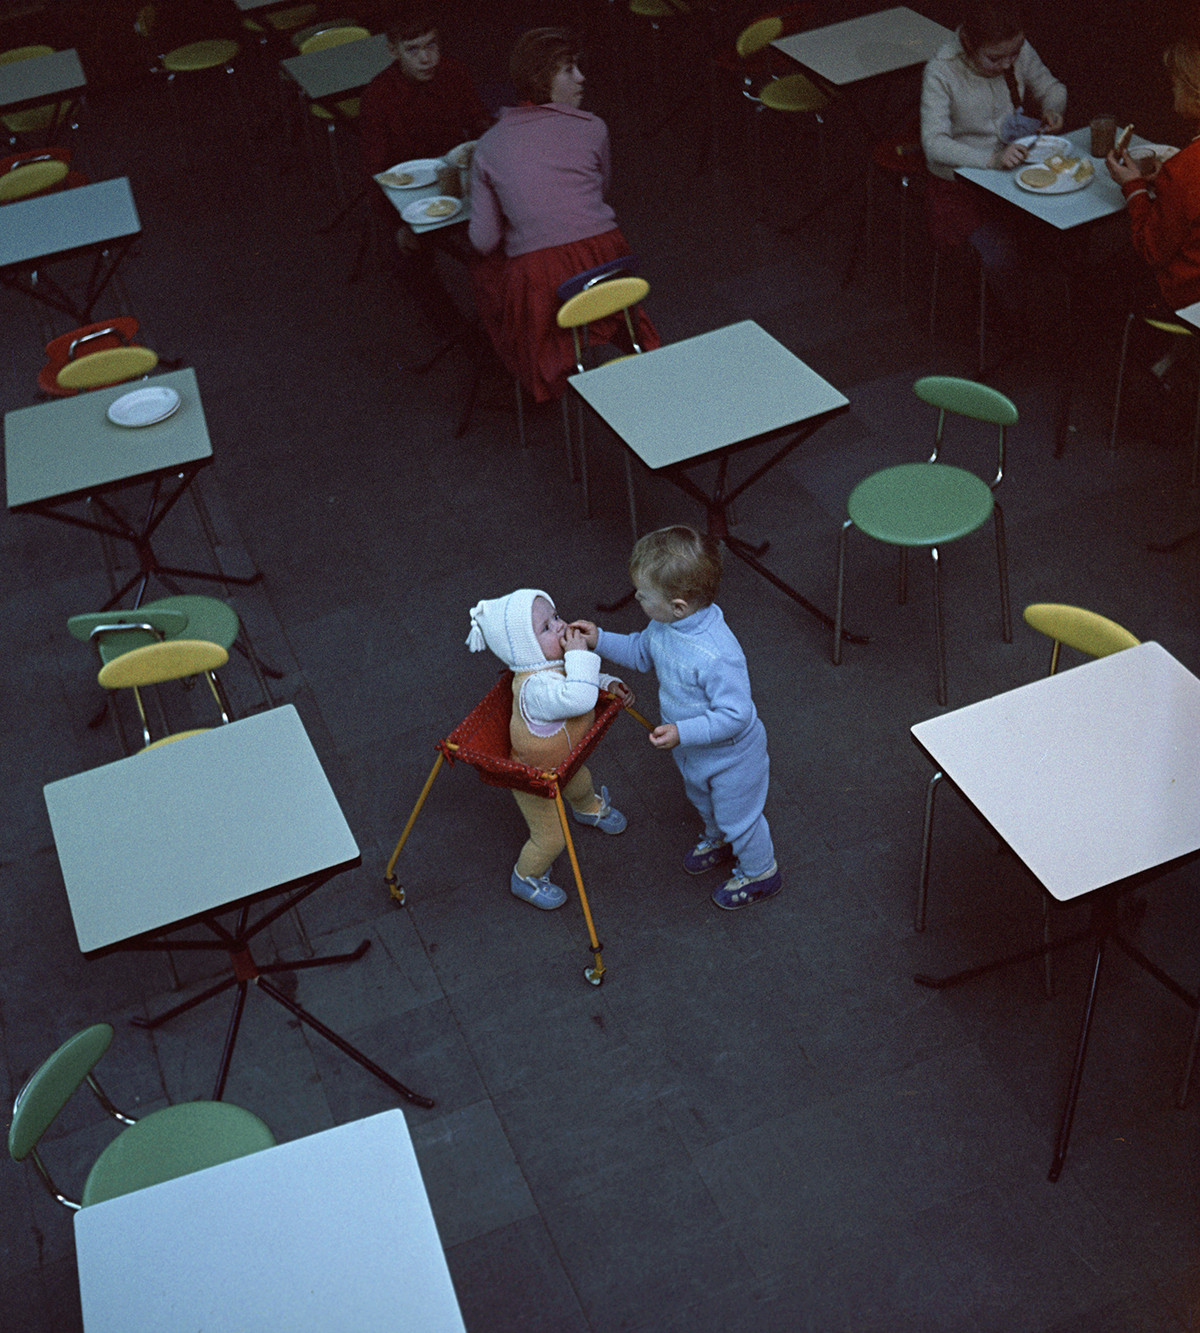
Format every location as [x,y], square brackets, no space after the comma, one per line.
[200,55]
[32,178]
[792,93]
[348,108]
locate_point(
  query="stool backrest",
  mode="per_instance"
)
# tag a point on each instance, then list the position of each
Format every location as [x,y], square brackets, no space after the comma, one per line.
[762,33]
[322,41]
[1085,631]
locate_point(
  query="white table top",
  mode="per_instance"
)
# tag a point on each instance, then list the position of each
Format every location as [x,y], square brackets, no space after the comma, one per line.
[690,398]
[865,47]
[67,220]
[41,77]
[331,1232]
[1190,314]
[172,833]
[69,447]
[339,69]
[1091,775]
[1064,211]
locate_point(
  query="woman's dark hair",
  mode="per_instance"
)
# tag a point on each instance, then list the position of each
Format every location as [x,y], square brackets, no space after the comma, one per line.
[986,22]
[410,19]
[537,57]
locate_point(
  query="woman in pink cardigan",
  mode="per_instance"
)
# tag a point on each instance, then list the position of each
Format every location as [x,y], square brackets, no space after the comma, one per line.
[538,214]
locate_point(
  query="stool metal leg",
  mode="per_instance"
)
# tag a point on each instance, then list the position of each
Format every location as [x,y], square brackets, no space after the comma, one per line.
[926,844]
[938,625]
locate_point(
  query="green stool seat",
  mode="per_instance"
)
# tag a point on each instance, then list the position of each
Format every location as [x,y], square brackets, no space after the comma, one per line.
[200,55]
[174,1142]
[161,1146]
[920,504]
[930,504]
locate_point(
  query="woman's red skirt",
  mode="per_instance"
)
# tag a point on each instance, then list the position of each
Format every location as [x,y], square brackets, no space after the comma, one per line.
[517,302]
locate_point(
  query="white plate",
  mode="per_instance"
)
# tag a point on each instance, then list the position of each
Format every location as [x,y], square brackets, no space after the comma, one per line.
[143,407]
[1042,146]
[423,171]
[1078,177]
[418,210]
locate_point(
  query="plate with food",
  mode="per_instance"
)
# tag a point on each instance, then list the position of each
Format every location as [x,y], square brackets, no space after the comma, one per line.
[1038,147]
[1058,172]
[437,209]
[144,407]
[410,175]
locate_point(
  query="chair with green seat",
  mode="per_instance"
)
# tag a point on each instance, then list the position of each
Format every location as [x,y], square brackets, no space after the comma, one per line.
[163,1145]
[915,505]
[1185,337]
[43,120]
[609,297]
[346,108]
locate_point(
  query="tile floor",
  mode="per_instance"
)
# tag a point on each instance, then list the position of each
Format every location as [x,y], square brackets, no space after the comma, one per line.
[758,1122]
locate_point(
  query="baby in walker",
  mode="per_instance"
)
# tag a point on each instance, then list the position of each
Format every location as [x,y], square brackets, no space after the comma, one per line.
[556,681]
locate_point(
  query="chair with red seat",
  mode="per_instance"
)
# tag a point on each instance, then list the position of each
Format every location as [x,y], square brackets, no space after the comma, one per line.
[62,377]
[482,740]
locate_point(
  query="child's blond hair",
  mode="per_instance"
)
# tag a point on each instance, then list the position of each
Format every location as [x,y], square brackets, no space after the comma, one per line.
[679,562]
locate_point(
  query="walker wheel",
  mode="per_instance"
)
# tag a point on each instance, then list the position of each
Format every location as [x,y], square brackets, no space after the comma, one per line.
[596,978]
[397,892]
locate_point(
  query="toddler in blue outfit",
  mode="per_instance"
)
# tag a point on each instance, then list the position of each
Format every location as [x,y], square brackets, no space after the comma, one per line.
[709,718]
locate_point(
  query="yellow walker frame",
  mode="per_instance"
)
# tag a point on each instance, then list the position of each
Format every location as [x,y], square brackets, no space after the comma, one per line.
[482,740]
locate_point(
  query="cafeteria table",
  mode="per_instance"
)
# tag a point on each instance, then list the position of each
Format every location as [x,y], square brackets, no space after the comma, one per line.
[330,1232]
[705,399]
[1072,216]
[240,820]
[57,77]
[98,219]
[1092,778]
[66,460]
[338,71]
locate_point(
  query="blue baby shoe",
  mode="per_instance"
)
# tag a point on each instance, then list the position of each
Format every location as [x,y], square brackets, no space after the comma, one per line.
[741,891]
[538,891]
[606,819]
[707,854]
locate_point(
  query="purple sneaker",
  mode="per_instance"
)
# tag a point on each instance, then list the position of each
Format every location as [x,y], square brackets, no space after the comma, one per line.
[741,891]
[707,855]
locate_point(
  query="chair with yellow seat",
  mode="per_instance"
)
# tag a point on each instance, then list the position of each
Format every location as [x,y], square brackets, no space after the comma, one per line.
[93,356]
[162,1145]
[1081,630]
[191,59]
[37,171]
[794,94]
[603,296]
[43,120]
[158,663]
[279,22]
[346,108]
[1185,341]
[928,505]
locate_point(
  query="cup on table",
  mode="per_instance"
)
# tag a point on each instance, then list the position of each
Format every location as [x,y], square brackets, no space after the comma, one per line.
[1104,135]
[1144,158]
[449,180]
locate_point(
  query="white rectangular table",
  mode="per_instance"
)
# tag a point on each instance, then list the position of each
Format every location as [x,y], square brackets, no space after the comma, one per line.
[98,219]
[213,824]
[866,47]
[61,453]
[1190,314]
[338,71]
[56,77]
[330,1232]
[706,398]
[1092,778]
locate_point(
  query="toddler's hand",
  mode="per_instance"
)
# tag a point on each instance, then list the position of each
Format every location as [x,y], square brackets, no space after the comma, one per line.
[665,736]
[574,637]
[590,631]
[621,693]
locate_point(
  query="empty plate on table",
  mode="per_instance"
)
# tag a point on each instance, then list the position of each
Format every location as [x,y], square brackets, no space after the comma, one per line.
[143,407]
[410,175]
[437,209]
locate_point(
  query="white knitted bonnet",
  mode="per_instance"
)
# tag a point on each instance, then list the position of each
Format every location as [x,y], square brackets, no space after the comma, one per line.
[505,625]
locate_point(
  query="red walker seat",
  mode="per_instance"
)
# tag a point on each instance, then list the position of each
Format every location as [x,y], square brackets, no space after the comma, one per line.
[482,740]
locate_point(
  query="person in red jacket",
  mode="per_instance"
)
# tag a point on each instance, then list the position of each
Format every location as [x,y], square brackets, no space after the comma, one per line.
[421,105]
[1164,208]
